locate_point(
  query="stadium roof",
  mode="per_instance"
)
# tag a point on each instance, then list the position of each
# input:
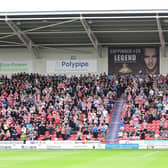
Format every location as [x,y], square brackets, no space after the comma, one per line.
[84,28]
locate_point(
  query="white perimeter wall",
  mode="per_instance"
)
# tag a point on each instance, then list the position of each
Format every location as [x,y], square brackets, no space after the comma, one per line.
[39,65]
[164,60]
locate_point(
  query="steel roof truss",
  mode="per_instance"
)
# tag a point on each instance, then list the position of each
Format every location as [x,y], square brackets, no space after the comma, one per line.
[91,36]
[24,38]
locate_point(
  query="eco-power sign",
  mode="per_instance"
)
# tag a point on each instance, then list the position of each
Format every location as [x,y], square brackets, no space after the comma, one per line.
[72,66]
[8,67]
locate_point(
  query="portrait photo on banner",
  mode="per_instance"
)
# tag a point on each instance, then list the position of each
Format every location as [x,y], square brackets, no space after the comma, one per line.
[135,60]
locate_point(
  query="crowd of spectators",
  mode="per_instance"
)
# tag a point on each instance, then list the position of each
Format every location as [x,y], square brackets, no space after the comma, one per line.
[37,107]
[145,114]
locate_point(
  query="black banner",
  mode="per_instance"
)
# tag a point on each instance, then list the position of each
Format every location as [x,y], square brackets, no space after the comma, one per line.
[125,60]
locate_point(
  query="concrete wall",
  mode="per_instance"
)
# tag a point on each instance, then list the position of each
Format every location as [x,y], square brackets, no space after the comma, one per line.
[164,60]
[78,54]
[39,65]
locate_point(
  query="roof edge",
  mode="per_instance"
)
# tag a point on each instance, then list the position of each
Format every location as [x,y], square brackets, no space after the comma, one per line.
[70,12]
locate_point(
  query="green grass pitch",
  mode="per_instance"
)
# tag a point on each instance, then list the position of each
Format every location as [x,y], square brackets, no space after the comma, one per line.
[84,159]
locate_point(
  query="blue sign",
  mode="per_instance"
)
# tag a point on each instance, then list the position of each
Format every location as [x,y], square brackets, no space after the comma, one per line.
[122,146]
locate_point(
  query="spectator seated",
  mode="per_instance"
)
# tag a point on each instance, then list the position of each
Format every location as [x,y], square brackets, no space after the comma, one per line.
[55,107]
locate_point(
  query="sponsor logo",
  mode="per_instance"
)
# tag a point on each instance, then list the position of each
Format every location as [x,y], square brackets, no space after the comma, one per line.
[70,64]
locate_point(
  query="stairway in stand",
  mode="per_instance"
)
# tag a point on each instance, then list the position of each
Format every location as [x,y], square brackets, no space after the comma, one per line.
[114,125]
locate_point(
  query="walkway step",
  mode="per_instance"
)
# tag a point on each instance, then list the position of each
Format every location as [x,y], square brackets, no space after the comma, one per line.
[114,126]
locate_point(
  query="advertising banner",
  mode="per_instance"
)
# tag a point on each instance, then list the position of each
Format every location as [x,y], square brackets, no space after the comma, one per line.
[72,66]
[9,67]
[122,146]
[133,60]
[147,144]
[33,145]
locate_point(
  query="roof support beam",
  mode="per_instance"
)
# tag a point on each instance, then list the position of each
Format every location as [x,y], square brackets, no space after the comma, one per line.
[91,36]
[23,37]
[39,28]
[160,31]
[81,44]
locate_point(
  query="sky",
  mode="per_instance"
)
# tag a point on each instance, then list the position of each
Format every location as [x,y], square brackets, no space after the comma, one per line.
[68,5]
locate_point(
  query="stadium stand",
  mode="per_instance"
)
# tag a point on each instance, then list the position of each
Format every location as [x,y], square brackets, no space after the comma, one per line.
[145,114]
[36,107]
